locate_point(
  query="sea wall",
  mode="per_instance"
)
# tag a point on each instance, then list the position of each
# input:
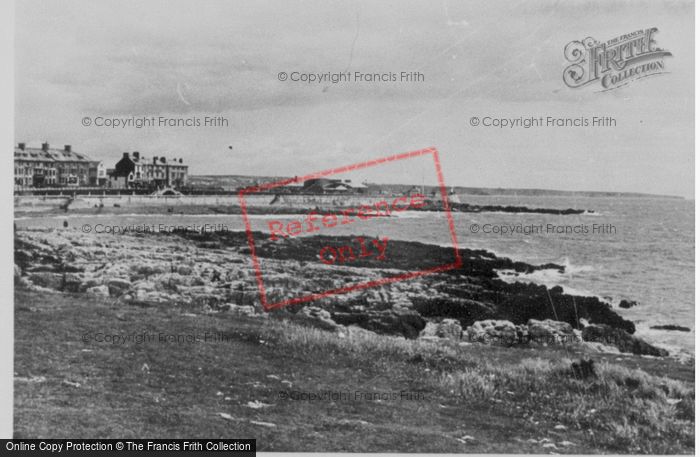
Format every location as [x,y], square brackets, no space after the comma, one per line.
[42,203]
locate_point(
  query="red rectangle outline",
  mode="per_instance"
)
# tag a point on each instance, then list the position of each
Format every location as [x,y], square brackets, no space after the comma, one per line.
[363,285]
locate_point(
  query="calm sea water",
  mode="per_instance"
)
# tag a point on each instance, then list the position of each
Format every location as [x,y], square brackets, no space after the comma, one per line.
[648,257]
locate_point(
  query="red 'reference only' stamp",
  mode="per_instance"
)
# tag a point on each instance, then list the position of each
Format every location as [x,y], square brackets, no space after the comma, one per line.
[323,222]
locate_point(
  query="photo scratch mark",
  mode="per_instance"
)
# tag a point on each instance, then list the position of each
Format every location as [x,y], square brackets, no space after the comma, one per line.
[180,95]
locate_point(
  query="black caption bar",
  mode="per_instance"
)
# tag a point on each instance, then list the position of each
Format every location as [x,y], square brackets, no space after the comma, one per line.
[239,447]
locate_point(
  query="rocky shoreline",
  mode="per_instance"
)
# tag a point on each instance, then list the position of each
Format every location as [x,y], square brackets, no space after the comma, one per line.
[272,204]
[470,208]
[469,305]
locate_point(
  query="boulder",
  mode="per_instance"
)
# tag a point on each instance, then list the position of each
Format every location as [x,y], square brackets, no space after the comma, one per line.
[603,333]
[450,329]
[243,297]
[493,332]
[140,294]
[206,299]
[47,279]
[184,270]
[172,280]
[404,322]
[72,282]
[100,291]
[430,330]
[523,333]
[118,286]
[147,270]
[241,310]
[550,332]
[315,317]
[626,304]
[144,285]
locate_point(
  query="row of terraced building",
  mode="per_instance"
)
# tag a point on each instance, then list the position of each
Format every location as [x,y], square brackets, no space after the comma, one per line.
[48,167]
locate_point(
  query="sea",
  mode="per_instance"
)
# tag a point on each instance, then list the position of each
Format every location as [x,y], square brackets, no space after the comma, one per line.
[632,248]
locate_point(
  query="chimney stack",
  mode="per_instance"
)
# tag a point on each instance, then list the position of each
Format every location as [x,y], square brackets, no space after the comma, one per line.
[45,147]
[162,160]
[21,146]
[155,160]
[126,155]
[137,155]
[180,160]
[67,148]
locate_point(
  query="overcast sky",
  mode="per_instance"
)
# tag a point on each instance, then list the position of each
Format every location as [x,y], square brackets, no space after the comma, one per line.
[502,59]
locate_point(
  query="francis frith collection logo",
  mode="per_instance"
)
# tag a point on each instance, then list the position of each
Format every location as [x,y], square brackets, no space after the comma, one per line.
[616,62]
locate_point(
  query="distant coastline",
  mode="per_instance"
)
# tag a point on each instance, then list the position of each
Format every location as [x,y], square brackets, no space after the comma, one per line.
[244,180]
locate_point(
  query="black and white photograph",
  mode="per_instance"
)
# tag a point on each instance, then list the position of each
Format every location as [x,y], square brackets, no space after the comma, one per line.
[351,226]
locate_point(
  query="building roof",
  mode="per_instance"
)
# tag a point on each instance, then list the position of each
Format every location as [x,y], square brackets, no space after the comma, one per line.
[52,155]
[149,161]
[332,184]
[322,186]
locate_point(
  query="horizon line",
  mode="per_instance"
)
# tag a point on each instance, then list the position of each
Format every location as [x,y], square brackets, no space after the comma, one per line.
[524,189]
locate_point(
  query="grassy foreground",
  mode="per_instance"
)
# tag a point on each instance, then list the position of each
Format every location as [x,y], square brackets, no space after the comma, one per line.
[245,383]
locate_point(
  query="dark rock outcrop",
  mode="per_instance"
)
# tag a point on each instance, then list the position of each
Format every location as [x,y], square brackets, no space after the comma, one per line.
[436,205]
[620,339]
[470,293]
[521,302]
[47,279]
[315,317]
[210,270]
[407,323]
[463,309]
[678,328]
[626,304]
